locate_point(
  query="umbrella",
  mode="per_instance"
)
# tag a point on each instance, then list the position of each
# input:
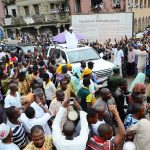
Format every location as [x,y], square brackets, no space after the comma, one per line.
[60,38]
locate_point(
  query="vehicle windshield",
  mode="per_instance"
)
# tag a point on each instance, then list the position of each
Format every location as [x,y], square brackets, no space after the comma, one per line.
[83,54]
[26,48]
[5,47]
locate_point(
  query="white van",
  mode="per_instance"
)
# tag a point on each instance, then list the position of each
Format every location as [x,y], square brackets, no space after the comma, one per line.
[102,67]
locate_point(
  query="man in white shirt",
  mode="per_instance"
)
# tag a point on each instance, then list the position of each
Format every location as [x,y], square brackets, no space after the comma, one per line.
[12,99]
[118,58]
[6,138]
[39,110]
[71,39]
[101,115]
[142,132]
[142,59]
[67,141]
[49,89]
[28,119]
[131,60]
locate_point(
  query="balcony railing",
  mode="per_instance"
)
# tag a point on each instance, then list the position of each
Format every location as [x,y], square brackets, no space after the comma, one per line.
[42,19]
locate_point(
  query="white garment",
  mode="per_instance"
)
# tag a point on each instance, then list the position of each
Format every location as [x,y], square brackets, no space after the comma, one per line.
[79,142]
[12,73]
[142,56]
[49,90]
[39,112]
[2,54]
[95,126]
[142,134]
[9,146]
[12,101]
[29,123]
[71,40]
[118,54]
[129,146]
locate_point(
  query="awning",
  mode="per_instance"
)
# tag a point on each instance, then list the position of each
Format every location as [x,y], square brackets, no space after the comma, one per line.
[28,20]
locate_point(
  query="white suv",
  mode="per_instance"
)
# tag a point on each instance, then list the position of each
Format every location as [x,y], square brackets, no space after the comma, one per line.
[102,67]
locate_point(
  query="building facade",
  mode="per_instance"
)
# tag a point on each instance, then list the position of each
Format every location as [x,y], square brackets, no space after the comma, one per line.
[1,13]
[140,8]
[35,16]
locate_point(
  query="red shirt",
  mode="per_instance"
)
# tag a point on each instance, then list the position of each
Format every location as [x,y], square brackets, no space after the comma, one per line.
[13,59]
[97,143]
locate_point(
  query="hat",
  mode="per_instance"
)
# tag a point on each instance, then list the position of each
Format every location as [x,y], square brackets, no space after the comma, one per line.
[129,146]
[71,28]
[86,72]
[4,131]
[68,66]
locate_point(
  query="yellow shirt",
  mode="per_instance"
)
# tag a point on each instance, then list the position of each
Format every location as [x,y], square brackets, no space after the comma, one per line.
[47,145]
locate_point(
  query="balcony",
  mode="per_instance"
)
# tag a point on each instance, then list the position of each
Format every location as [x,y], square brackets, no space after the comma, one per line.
[8,2]
[41,19]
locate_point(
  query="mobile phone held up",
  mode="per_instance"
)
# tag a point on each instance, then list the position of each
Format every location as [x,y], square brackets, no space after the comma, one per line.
[71,101]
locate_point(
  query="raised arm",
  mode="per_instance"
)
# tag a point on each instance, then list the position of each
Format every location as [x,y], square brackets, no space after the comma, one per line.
[121,134]
[38,101]
[57,133]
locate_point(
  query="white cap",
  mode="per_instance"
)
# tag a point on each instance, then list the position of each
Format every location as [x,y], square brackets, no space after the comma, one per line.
[71,28]
[129,146]
[4,131]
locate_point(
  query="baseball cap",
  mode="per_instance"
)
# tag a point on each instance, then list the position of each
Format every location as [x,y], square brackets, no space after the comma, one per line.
[4,131]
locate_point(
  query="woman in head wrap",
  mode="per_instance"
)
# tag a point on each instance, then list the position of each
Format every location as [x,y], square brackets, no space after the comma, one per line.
[138,88]
[140,78]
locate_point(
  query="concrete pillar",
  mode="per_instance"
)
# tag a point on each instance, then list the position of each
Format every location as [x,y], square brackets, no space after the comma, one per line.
[72,6]
[5,34]
[85,6]
[38,31]
[58,28]
[37,28]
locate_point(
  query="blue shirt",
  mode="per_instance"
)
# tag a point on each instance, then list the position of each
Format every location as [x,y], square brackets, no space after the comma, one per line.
[129,121]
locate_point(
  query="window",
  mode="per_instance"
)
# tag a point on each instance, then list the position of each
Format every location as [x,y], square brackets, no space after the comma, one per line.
[63,7]
[36,9]
[145,3]
[57,5]
[26,9]
[14,12]
[52,6]
[77,6]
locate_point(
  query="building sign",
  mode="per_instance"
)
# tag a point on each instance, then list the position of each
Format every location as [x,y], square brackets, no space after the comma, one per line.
[104,26]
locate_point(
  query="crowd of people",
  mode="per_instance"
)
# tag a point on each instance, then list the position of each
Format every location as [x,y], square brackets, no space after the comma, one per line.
[47,105]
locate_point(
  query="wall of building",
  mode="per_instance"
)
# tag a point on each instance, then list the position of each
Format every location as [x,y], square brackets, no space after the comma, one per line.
[141,14]
[141,9]
[85,6]
[44,6]
[10,7]
[1,12]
